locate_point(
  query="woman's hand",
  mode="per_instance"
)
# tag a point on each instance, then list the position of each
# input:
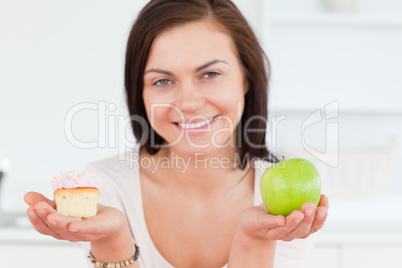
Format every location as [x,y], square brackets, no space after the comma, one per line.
[255,238]
[257,223]
[45,219]
[108,231]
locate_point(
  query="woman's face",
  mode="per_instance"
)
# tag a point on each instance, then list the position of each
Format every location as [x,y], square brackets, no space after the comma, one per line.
[194,88]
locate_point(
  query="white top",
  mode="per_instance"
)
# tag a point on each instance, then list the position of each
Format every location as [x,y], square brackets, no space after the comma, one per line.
[122,190]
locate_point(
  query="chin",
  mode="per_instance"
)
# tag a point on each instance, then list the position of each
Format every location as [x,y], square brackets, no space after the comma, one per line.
[207,149]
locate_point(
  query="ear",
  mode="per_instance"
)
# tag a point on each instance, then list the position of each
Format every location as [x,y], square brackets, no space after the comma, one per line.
[245,86]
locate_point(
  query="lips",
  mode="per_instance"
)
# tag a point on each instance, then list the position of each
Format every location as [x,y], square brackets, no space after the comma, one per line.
[197,124]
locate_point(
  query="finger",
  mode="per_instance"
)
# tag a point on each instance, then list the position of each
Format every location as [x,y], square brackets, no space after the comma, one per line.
[321,215]
[54,223]
[96,225]
[43,209]
[39,225]
[323,201]
[291,222]
[304,227]
[268,221]
[319,220]
[108,220]
[60,225]
[60,221]
[50,227]
[31,198]
[89,229]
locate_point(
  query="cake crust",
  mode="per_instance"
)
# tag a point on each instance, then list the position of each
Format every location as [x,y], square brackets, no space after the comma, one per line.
[77,202]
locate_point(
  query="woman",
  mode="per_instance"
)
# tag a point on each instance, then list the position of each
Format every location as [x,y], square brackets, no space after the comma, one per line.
[189,195]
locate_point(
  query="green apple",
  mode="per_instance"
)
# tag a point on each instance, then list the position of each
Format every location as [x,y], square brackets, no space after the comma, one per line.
[286,186]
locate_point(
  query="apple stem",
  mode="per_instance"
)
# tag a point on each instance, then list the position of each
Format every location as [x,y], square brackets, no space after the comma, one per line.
[283,158]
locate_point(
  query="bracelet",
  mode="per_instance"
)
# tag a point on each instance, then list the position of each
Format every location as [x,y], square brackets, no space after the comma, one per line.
[117,264]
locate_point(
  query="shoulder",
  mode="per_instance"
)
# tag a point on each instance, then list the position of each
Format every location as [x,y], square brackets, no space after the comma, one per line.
[122,162]
[119,176]
[115,172]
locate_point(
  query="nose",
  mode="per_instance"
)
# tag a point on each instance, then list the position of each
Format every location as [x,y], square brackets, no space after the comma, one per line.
[190,98]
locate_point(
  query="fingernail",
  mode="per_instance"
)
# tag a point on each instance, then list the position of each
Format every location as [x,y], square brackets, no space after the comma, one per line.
[309,211]
[32,214]
[53,222]
[73,230]
[321,215]
[298,220]
[41,211]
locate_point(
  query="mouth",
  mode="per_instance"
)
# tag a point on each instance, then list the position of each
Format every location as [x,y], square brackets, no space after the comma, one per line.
[196,125]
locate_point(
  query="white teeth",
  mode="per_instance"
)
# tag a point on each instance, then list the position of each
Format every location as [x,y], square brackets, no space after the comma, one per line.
[196,125]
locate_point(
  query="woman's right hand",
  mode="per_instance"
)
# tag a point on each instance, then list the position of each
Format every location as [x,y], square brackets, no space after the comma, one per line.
[108,231]
[45,219]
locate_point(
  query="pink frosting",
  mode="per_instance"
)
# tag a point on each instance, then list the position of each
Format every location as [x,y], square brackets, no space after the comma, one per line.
[74,179]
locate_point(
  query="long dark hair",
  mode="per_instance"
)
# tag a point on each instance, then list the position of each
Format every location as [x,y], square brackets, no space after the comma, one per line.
[158,16]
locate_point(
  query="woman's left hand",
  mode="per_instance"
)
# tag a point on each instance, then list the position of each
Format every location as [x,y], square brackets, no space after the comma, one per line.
[256,222]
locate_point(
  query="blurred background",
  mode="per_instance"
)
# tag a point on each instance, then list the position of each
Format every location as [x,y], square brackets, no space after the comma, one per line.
[335,98]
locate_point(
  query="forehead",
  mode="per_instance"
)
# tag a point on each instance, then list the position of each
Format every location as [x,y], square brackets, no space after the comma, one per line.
[194,42]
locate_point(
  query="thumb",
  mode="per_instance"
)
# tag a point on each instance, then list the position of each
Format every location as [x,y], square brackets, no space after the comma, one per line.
[268,220]
[32,198]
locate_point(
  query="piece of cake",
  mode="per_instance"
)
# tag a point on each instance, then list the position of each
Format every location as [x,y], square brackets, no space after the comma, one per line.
[76,193]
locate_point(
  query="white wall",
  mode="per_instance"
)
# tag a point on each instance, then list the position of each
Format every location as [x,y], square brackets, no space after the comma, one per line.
[57,54]
[355,59]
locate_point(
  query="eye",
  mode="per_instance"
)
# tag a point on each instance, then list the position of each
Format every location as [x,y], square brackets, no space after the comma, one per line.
[162,82]
[210,74]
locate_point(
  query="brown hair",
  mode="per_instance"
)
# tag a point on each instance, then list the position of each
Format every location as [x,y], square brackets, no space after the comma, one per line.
[158,16]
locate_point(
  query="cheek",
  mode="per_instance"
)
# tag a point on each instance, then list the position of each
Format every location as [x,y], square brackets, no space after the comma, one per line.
[158,101]
[157,115]
[231,90]
[230,102]
[154,110]
[231,112]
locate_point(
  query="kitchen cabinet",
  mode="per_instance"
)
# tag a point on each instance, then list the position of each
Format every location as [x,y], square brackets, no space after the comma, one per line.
[371,256]
[24,247]
[342,243]
[62,255]
[330,56]
[325,256]
[338,19]
[356,256]
[360,233]
[35,255]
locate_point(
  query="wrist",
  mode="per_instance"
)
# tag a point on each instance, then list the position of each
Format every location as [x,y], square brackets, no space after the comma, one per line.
[115,247]
[250,243]
[250,251]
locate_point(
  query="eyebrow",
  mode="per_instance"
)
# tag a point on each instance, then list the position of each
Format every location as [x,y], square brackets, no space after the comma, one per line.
[206,65]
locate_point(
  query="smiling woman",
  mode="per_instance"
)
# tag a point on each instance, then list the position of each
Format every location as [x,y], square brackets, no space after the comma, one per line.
[207,88]
[234,31]
[189,194]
